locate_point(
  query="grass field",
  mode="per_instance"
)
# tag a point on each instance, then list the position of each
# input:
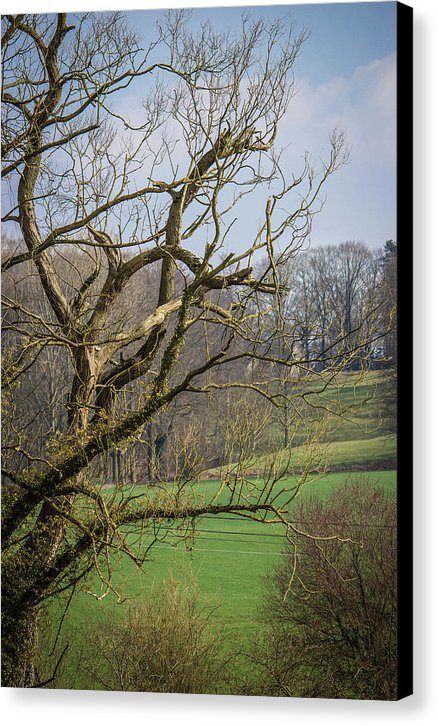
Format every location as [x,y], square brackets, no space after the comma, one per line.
[359,396]
[358,438]
[371,454]
[228,557]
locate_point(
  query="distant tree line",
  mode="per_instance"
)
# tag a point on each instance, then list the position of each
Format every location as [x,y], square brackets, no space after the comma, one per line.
[332,297]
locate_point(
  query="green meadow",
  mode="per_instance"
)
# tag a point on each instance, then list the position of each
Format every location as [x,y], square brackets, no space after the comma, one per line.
[227,556]
[355,435]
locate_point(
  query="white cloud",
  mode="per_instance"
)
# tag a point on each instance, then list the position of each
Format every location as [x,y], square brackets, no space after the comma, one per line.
[361,197]
[364,105]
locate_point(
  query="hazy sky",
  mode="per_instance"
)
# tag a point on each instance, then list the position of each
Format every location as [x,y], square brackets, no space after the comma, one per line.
[346,76]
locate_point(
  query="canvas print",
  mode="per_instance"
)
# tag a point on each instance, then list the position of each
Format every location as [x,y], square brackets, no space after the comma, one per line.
[200,485]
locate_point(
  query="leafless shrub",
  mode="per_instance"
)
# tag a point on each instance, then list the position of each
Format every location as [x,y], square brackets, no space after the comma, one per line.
[332,629]
[167,644]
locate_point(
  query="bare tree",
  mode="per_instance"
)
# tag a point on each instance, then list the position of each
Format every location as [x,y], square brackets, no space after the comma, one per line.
[92,189]
[388,260]
[328,317]
[388,389]
[337,295]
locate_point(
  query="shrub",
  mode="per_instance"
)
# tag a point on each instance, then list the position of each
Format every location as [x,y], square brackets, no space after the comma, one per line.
[166,644]
[331,631]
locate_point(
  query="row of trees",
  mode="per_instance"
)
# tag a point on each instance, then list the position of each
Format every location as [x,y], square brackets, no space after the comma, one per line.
[124,277]
[327,298]
[334,292]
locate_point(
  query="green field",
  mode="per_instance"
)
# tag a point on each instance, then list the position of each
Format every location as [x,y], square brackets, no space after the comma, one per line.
[352,434]
[368,454]
[228,556]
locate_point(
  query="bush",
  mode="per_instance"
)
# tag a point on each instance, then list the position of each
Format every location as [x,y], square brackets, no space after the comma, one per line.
[166,645]
[331,631]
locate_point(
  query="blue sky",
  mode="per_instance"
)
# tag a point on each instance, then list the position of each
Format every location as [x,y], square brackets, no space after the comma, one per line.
[345,76]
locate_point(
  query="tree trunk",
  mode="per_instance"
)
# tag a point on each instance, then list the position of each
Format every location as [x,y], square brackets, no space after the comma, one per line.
[19,646]
[21,585]
[19,621]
